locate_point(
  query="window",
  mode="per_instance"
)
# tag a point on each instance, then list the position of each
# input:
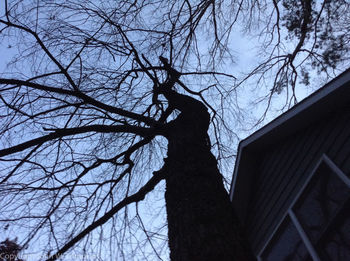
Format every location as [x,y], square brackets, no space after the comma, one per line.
[317,225]
[287,244]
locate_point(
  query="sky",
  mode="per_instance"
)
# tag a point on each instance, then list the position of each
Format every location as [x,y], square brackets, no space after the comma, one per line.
[245,57]
[6,54]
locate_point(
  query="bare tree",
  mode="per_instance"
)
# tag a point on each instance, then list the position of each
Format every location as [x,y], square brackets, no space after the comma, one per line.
[107,99]
[300,42]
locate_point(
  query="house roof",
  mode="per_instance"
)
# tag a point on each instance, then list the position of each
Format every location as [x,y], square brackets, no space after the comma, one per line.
[324,101]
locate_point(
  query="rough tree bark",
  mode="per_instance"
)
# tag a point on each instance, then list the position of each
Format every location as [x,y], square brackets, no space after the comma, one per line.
[201,222]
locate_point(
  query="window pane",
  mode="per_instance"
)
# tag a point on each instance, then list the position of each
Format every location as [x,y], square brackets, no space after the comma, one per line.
[323,197]
[286,245]
[335,243]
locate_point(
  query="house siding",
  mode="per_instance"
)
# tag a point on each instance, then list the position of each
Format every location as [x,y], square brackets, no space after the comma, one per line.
[283,168]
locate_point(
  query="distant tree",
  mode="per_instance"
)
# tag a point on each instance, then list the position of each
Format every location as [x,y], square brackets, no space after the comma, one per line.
[106,99]
[9,250]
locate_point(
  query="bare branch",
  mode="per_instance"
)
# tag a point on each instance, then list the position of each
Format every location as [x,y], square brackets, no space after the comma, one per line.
[138,196]
[59,133]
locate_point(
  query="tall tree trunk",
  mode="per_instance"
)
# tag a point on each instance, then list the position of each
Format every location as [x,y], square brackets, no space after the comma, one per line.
[201,222]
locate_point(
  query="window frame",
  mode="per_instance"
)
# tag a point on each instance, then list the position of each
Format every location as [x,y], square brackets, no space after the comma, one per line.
[291,214]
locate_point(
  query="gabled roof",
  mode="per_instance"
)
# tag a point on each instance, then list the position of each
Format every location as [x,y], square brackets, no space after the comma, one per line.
[324,101]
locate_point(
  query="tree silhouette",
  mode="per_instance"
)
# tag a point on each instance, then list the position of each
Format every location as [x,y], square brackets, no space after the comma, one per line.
[107,102]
